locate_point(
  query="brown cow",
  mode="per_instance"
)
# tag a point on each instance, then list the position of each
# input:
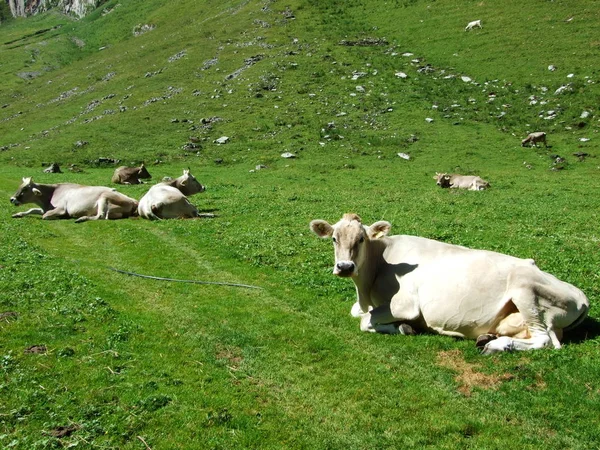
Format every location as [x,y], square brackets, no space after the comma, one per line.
[67,200]
[130,175]
[533,138]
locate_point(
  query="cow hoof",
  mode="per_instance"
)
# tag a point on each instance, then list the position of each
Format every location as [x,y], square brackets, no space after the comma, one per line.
[483,339]
[406,330]
[501,344]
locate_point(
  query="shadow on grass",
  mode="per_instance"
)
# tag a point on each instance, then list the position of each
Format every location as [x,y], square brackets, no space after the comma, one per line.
[588,329]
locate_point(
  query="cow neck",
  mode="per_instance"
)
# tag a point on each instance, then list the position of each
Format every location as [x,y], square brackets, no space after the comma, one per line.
[45,200]
[366,274]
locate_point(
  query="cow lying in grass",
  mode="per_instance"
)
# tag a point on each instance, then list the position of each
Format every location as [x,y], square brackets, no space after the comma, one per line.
[168,200]
[67,200]
[130,175]
[405,283]
[470,182]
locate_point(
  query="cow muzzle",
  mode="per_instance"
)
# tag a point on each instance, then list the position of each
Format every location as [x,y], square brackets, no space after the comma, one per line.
[14,201]
[344,269]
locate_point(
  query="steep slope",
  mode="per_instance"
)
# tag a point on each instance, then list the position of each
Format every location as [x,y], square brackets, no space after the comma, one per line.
[145,80]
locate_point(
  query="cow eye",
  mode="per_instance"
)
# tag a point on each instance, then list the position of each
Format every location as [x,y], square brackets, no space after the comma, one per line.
[334,240]
[362,239]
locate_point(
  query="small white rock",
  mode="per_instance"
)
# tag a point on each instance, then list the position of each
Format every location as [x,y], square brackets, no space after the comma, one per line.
[404,156]
[401,75]
[222,140]
[428,120]
[288,155]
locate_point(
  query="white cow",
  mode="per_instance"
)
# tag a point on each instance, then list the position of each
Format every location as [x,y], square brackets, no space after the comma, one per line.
[167,200]
[451,180]
[407,281]
[473,24]
[66,200]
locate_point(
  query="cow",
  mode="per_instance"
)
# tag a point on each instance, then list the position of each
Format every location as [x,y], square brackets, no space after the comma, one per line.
[533,138]
[407,283]
[67,200]
[53,168]
[168,199]
[473,24]
[130,175]
[455,181]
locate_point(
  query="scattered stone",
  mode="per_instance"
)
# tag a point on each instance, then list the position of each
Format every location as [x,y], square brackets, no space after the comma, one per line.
[177,56]
[260,167]
[563,88]
[78,42]
[585,114]
[428,119]
[551,67]
[80,144]
[404,156]
[139,29]
[360,88]
[366,42]
[222,140]
[401,75]
[584,139]
[28,75]
[288,155]
[466,79]
[412,139]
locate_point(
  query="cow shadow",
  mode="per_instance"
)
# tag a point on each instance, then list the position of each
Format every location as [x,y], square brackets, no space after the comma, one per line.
[588,329]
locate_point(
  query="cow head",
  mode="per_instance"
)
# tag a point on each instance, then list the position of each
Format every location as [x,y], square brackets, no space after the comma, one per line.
[143,172]
[442,179]
[28,192]
[188,184]
[350,241]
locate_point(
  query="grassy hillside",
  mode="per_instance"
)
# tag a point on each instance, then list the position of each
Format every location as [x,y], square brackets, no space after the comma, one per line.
[94,358]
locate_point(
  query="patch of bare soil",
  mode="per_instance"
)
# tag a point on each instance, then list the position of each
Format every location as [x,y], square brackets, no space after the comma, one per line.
[468,377]
[36,349]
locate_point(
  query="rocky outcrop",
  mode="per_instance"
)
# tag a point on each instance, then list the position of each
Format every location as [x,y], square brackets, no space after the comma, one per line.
[77,8]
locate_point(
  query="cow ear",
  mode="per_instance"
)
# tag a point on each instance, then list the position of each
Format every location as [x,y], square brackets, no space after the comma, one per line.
[36,191]
[379,229]
[321,228]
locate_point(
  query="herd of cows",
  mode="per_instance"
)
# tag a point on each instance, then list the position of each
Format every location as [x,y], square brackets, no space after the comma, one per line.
[404,284]
[165,200]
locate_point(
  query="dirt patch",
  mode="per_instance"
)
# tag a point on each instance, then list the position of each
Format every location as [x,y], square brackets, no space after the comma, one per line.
[468,377]
[8,315]
[36,349]
[61,432]
[232,355]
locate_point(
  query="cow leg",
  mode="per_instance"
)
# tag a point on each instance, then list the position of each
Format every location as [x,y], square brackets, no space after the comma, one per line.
[38,211]
[504,343]
[56,213]
[381,320]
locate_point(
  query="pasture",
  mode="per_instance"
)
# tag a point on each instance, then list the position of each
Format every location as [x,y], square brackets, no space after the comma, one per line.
[94,358]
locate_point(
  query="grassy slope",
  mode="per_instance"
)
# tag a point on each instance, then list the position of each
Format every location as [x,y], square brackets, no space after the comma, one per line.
[189,366]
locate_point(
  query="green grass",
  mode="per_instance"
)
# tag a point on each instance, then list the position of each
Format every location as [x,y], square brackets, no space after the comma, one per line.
[131,360]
